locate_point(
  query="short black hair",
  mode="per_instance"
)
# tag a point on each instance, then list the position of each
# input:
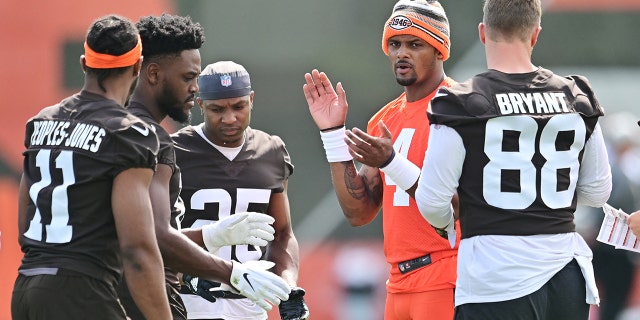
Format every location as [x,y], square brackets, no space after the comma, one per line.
[168,35]
[113,35]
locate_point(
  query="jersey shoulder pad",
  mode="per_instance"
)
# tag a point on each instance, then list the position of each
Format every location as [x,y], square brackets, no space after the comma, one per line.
[184,137]
[586,102]
[460,103]
[273,146]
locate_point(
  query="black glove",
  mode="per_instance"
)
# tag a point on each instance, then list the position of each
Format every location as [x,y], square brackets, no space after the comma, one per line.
[295,308]
[199,286]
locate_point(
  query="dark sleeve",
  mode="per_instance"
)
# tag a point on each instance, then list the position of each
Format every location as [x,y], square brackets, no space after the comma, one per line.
[166,152]
[282,149]
[458,105]
[133,149]
[586,102]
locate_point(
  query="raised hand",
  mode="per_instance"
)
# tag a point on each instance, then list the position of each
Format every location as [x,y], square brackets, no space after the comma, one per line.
[328,107]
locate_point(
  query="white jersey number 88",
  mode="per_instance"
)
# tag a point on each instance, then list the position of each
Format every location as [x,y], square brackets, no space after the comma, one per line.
[521,160]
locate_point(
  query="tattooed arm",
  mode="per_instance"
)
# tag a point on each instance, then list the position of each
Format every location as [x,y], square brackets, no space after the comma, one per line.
[359,192]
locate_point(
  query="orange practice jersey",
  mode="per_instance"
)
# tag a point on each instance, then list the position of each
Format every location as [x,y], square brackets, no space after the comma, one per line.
[407,235]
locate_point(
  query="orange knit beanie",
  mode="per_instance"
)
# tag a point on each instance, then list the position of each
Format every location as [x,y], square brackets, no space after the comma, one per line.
[424,19]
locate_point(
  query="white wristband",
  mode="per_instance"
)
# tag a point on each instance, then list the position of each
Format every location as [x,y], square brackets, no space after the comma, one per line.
[334,145]
[402,171]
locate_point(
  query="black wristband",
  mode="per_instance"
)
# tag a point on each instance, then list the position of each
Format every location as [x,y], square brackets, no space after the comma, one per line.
[332,128]
[386,163]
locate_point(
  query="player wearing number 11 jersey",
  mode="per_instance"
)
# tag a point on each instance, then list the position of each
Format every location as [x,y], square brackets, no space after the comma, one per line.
[522,146]
[84,208]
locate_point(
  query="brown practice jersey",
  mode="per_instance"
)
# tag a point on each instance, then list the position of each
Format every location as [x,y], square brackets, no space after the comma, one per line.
[166,156]
[524,136]
[74,150]
[214,187]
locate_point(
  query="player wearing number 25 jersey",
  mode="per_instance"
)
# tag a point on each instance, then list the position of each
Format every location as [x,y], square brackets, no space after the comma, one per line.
[228,170]
[215,187]
[240,183]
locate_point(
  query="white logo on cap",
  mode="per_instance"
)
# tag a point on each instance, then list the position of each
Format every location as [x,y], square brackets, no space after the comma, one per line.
[225,80]
[400,23]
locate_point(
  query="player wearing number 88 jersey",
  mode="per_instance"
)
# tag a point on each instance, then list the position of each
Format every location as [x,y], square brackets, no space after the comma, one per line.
[529,161]
[522,147]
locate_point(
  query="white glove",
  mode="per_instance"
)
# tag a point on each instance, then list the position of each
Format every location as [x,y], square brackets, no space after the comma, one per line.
[241,228]
[263,287]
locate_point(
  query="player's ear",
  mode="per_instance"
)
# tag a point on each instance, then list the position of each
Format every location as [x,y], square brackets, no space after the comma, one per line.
[153,73]
[137,67]
[83,63]
[534,36]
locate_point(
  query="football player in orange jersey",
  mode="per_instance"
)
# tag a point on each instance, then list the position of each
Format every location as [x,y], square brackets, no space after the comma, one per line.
[423,260]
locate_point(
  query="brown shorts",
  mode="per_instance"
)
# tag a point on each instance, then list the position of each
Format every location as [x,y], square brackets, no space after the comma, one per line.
[66,295]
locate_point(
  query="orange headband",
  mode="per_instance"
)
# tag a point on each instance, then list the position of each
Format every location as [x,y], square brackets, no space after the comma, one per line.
[106,61]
